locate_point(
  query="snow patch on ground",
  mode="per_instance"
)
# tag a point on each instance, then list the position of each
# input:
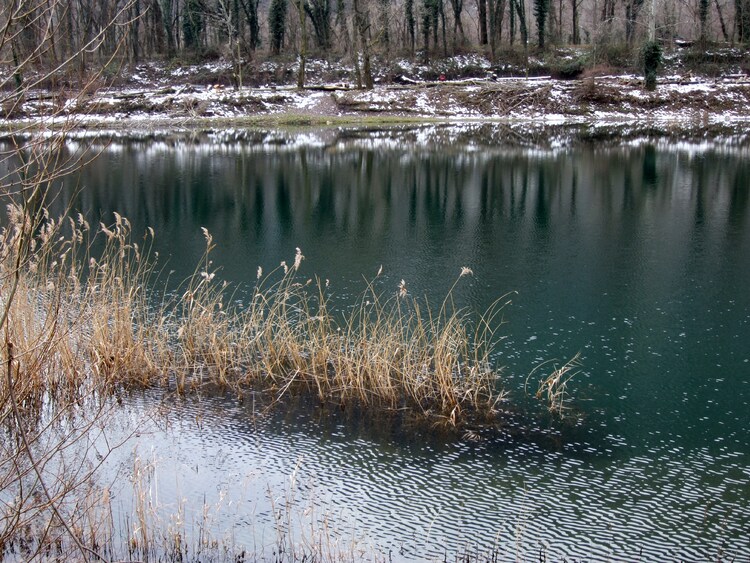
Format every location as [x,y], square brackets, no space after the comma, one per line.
[306,102]
[424,105]
[615,99]
[688,88]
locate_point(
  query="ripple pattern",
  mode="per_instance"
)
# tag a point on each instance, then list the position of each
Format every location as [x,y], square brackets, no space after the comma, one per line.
[419,498]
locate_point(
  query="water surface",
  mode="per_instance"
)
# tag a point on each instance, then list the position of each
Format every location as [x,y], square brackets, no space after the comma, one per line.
[637,255]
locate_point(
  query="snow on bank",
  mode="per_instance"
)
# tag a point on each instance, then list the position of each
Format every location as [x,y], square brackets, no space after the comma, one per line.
[603,99]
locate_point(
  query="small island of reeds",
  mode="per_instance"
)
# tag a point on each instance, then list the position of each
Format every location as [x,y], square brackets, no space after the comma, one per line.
[80,320]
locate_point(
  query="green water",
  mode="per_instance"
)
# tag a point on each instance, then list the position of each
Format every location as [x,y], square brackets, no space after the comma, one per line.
[637,256]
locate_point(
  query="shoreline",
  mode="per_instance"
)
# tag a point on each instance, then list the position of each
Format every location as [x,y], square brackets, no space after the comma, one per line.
[290,131]
[612,101]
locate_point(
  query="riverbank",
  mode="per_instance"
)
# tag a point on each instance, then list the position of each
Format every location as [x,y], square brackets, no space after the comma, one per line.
[152,96]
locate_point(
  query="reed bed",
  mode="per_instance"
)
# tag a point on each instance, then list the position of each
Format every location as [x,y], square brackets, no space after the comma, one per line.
[86,316]
[83,320]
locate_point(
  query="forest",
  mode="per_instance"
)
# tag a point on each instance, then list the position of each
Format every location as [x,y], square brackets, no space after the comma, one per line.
[76,34]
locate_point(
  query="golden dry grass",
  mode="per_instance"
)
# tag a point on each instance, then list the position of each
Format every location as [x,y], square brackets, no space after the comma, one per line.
[83,321]
[553,388]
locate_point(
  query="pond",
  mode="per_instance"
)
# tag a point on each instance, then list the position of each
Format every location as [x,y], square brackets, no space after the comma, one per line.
[637,255]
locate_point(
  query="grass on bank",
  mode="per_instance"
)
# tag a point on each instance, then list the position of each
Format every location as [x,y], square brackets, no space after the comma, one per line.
[81,319]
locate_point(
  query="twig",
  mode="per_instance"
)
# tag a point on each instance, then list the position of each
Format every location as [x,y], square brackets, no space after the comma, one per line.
[84,550]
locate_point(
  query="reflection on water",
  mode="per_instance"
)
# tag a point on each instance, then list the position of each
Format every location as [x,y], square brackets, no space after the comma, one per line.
[639,256]
[422,495]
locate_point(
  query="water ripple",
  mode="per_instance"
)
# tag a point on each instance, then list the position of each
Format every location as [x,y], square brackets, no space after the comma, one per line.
[422,498]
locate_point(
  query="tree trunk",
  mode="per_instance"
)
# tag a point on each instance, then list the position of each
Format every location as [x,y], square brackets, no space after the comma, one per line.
[17,73]
[134,31]
[541,11]
[250,8]
[441,6]
[357,68]
[632,9]
[384,23]
[458,27]
[361,22]
[320,15]
[482,22]
[434,21]
[576,35]
[742,20]
[492,26]
[343,27]
[522,27]
[410,24]
[499,18]
[721,21]
[52,31]
[302,45]
[426,30]
[166,16]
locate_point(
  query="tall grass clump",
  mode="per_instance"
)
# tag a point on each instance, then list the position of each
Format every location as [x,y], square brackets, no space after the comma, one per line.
[86,320]
[85,317]
[389,351]
[52,412]
[76,320]
[397,351]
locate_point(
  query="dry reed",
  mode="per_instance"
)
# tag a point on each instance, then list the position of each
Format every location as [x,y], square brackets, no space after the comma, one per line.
[553,388]
[84,320]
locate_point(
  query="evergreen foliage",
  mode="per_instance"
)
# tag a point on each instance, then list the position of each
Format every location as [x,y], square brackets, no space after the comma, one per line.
[250,8]
[319,12]
[277,24]
[541,10]
[192,23]
[428,21]
[742,20]
[703,6]
[651,62]
[411,22]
